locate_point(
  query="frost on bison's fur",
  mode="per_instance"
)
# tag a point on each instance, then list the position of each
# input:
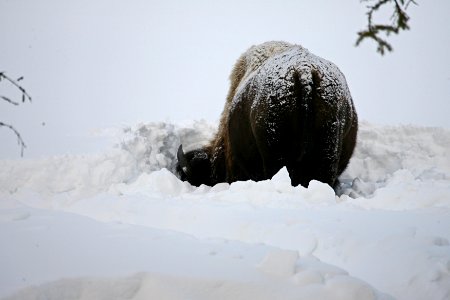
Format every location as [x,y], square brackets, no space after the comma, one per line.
[285,107]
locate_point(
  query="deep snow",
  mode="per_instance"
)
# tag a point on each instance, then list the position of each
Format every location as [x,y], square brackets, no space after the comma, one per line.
[120,225]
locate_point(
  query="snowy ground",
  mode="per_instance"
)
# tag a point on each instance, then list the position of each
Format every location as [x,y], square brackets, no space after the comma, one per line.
[120,225]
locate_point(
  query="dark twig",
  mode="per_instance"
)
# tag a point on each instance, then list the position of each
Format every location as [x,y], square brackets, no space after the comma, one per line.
[25,96]
[9,100]
[24,93]
[19,137]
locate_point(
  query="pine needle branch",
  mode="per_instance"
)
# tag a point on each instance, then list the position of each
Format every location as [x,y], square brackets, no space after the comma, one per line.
[374,31]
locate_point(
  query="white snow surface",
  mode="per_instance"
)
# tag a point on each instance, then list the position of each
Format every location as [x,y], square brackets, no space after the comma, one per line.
[120,225]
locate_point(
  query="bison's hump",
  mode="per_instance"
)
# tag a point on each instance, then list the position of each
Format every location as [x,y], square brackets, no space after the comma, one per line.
[257,55]
[273,81]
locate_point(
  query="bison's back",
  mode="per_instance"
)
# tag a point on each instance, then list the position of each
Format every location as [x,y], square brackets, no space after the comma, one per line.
[294,110]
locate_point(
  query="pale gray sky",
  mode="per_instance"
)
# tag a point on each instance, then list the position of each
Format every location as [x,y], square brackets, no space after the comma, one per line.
[93,64]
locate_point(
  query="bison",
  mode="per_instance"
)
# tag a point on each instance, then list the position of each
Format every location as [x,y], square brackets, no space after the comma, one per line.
[285,107]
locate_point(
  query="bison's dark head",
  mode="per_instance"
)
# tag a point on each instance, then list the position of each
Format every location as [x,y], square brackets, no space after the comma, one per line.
[194,166]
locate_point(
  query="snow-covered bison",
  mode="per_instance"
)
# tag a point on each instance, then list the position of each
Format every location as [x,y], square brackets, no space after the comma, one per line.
[285,107]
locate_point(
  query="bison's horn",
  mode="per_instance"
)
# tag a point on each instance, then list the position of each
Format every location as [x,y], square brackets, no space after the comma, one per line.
[182,158]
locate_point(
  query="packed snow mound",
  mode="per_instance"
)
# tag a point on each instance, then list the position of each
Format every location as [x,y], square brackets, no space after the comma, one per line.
[141,286]
[142,150]
[409,162]
[170,265]
[384,151]
[121,225]
[154,146]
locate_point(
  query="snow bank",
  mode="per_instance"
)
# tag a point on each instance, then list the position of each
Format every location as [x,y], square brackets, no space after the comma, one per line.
[383,150]
[169,265]
[149,234]
[403,167]
[143,149]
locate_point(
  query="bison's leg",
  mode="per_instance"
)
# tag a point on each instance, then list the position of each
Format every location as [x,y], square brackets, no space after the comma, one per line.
[300,172]
[244,161]
[272,148]
[322,158]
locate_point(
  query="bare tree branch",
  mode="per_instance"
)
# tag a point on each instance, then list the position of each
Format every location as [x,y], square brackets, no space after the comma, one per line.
[19,137]
[24,93]
[25,96]
[9,100]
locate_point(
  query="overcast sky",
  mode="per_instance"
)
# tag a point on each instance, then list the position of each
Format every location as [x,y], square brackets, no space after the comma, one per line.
[93,64]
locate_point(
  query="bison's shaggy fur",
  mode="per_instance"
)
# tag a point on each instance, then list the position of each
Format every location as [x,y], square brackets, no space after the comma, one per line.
[285,107]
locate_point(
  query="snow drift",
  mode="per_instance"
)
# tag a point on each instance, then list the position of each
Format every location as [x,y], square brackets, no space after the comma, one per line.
[120,225]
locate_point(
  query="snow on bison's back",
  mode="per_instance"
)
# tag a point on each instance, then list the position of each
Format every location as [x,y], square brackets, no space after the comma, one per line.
[285,107]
